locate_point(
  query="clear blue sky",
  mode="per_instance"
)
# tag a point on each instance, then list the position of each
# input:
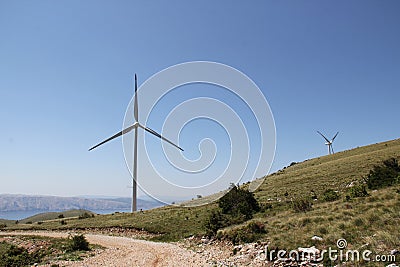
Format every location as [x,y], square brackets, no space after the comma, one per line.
[66,78]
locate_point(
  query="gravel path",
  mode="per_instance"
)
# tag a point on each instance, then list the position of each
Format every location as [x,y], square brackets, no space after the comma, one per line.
[125,251]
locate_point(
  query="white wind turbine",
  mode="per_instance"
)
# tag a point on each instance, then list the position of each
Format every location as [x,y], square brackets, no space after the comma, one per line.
[329,143]
[135,127]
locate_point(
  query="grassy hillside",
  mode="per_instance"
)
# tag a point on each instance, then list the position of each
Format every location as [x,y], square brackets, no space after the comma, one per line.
[332,171]
[4,223]
[47,216]
[371,221]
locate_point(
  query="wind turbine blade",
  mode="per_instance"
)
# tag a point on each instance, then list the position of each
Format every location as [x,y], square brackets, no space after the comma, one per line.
[324,137]
[335,136]
[127,130]
[135,108]
[333,152]
[159,136]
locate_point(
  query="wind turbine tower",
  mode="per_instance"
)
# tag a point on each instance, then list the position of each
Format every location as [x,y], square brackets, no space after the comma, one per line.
[135,126]
[329,142]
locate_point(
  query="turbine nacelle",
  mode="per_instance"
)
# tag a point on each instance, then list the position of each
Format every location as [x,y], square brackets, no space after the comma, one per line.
[329,143]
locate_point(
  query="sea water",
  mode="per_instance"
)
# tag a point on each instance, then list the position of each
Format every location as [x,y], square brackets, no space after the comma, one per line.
[19,215]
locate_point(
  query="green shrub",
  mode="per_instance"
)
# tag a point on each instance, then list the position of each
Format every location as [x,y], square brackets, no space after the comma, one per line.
[85,216]
[384,175]
[330,195]
[257,227]
[239,201]
[78,242]
[265,207]
[302,204]
[358,222]
[235,207]
[358,190]
[215,221]
[12,255]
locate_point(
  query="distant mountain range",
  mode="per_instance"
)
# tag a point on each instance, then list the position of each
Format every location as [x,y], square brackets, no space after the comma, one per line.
[11,202]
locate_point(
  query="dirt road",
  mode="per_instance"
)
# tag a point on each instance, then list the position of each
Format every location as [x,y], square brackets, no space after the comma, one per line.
[125,251]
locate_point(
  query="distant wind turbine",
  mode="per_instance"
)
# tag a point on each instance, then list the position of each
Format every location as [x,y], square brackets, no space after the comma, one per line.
[329,143]
[135,127]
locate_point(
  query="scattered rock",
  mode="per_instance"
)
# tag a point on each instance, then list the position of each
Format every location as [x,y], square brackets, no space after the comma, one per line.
[205,240]
[316,238]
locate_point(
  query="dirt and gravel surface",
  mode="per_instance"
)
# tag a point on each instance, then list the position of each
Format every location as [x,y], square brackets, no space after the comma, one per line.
[126,251]
[123,248]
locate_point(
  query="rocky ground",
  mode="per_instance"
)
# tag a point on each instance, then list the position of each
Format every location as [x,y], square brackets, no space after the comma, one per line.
[124,247]
[221,253]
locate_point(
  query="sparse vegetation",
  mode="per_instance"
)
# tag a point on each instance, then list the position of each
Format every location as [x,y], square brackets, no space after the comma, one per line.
[85,215]
[372,219]
[11,256]
[56,216]
[245,234]
[42,250]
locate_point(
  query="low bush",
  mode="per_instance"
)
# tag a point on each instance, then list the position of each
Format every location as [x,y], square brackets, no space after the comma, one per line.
[358,190]
[384,175]
[235,207]
[85,216]
[257,227]
[239,201]
[302,204]
[247,234]
[215,221]
[330,195]
[12,255]
[78,242]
